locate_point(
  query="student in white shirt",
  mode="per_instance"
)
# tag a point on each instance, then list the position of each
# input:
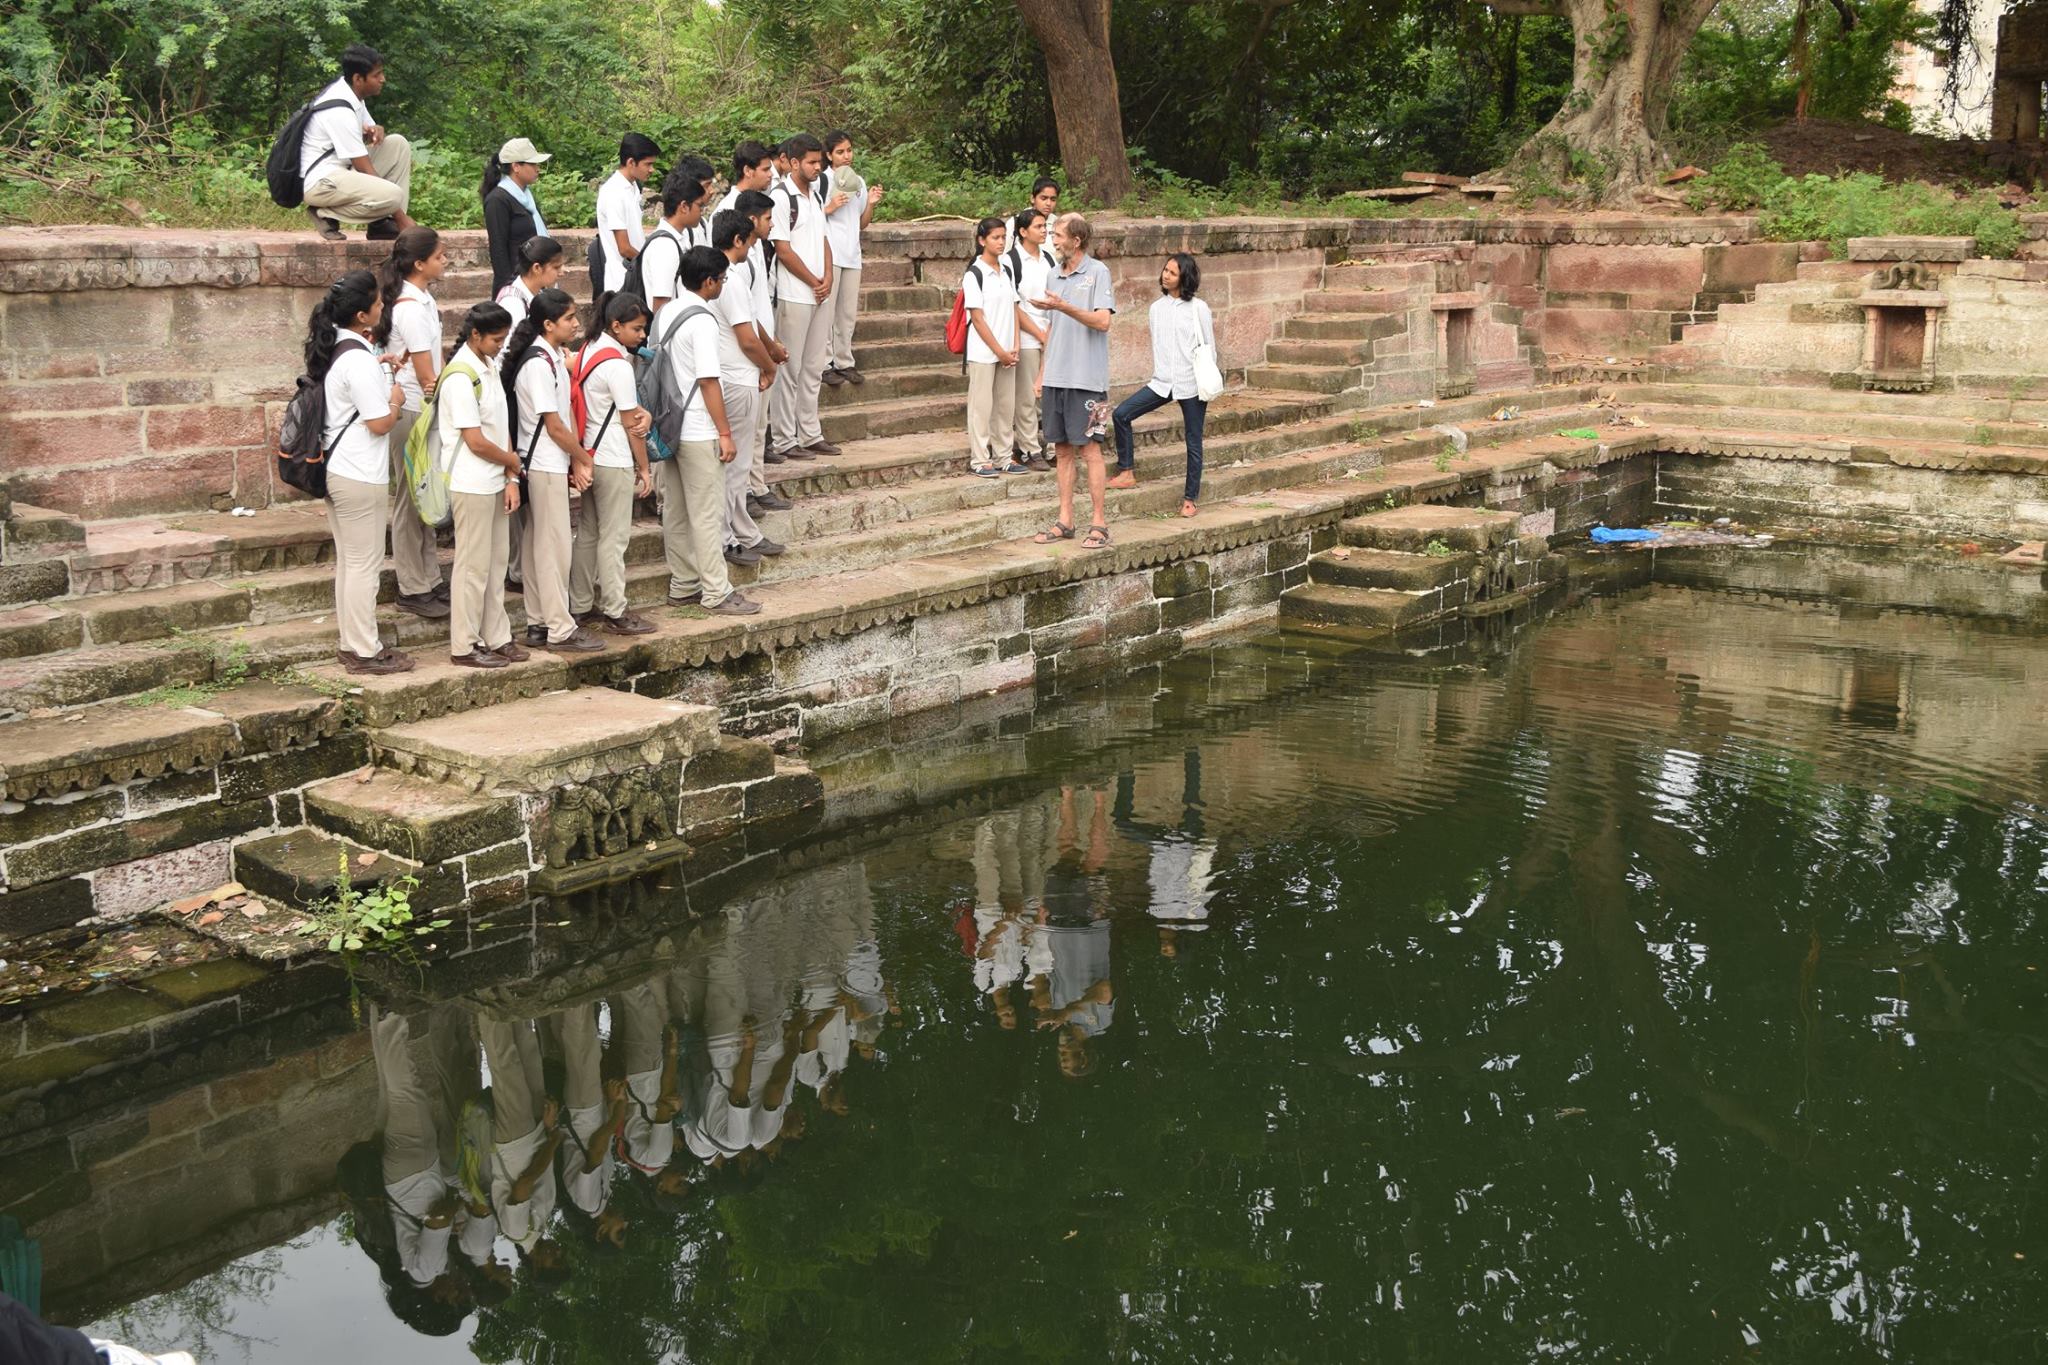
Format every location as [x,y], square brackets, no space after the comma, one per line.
[354,171]
[614,431]
[992,307]
[1045,196]
[849,208]
[753,168]
[746,370]
[541,262]
[363,404]
[595,1116]
[802,322]
[1179,322]
[536,375]
[758,208]
[526,1132]
[699,170]
[693,482]
[621,228]
[411,332]
[474,437]
[1029,263]
[683,201]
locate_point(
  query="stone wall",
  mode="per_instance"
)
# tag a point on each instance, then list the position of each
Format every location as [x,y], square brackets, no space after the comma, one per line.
[1854,498]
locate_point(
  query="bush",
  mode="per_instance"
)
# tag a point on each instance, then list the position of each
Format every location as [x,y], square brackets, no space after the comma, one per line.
[1832,209]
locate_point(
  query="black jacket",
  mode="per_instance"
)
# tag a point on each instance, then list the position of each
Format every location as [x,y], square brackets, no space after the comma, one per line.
[509,225]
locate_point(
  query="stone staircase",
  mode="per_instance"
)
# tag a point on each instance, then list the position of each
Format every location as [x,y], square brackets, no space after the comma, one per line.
[1409,565]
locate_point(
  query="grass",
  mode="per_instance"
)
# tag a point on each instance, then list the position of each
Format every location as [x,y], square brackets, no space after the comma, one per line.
[229,666]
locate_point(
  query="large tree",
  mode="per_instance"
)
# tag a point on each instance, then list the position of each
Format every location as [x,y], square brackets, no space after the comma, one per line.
[1625,60]
[1086,108]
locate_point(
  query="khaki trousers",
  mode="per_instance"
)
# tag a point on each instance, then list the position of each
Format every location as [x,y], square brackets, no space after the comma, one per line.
[357,514]
[743,404]
[1023,376]
[548,549]
[845,306]
[476,597]
[342,192]
[597,567]
[414,551]
[991,412]
[805,329]
[516,556]
[693,521]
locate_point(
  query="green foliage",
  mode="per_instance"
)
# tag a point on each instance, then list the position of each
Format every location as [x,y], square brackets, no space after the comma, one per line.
[1835,208]
[229,665]
[381,918]
[1437,549]
[1742,179]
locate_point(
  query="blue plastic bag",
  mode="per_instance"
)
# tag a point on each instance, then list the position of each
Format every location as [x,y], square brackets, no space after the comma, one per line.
[1603,535]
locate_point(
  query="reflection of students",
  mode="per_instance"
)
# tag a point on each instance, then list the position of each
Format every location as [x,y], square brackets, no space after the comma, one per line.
[649,1053]
[1182,860]
[423,1201]
[1074,996]
[525,1134]
[596,1115]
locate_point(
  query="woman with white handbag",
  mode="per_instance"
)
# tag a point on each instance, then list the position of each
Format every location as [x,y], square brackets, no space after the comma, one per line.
[1184,371]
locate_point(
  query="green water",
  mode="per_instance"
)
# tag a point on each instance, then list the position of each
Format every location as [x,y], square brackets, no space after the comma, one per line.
[1656,985]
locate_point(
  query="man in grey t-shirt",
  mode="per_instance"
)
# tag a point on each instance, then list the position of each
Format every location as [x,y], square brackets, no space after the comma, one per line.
[1074,384]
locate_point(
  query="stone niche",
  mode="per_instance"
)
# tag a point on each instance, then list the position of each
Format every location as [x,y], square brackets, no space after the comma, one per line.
[1902,307]
[1457,371]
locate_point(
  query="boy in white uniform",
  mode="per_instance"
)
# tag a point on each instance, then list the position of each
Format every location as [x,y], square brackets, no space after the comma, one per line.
[349,165]
[802,322]
[745,373]
[526,1131]
[621,230]
[475,438]
[1029,263]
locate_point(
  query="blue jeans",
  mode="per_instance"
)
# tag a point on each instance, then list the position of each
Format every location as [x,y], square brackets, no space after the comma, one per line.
[1193,412]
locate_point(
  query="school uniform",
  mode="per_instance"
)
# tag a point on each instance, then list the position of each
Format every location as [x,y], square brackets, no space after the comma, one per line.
[334,139]
[415,329]
[1177,326]
[761,269]
[618,210]
[597,571]
[800,324]
[588,1186]
[1029,271]
[476,491]
[842,231]
[739,382]
[516,299]
[542,386]
[991,396]
[512,1050]
[693,482]
[661,262]
[358,390]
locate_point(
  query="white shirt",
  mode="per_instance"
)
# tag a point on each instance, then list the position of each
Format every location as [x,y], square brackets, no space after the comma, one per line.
[516,299]
[589,1187]
[422,1250]
[524,1223]
[543,388]
[735,308]
[1035,271]
[358,387]
[806,238]
[458,408]
[415,327]
[647,1143]
[761,283]
[618,208]
[842,229]
[990,290]
[1177,325]
[661,263]
[608,389]
[334,137]
[693,350]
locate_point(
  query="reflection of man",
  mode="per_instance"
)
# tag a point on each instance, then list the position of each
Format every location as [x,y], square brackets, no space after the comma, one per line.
[649,1053]
[596,1117]
[525,1134]
[417,1184]
[1075,997]
[1182,860]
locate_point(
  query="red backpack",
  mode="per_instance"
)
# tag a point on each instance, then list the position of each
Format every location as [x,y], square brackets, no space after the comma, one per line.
[956,323]
[588,359]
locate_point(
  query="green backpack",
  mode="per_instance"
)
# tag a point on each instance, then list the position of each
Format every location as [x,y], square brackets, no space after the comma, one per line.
[427,464]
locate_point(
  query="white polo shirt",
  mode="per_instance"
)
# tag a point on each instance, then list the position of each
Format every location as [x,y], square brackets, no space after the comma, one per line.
[415,328]
[618,208]
[1034,270]
[761,283]
[459,408]
[735,308]
[693,351]
[357,386]
[334,137]
[661,262]
[608,389]
[842,229]
[516,299]
[543,387]
[806,237]
[990,290]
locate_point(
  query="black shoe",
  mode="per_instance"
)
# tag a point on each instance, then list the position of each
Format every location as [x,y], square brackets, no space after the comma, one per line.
[774,502]
[580,641]
[774,457]
[480,658]
[383,230]
[852,374]
[799,453]
[442,590]
[765,546]
[537,636]
[328,228]
[741,554]
[688,599]
[834,378]
[424,605]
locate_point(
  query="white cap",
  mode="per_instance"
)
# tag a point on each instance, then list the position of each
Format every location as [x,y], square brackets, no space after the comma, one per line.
[520,151]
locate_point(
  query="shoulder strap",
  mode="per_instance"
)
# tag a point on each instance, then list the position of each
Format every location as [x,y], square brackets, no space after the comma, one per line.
[477,381]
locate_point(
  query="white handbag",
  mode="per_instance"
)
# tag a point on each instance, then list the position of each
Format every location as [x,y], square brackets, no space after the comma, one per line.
[1208,378]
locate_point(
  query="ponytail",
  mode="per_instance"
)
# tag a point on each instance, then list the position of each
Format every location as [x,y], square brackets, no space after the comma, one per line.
[613,308]
[353,294]
[483,319]
[548,306]
[413,245]
[494,171]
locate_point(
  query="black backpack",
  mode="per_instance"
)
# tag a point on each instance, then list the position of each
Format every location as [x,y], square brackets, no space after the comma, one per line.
[593,257]
[287,186]
[301,453]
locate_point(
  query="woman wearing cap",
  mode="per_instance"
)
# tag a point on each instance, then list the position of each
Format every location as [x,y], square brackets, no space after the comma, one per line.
[511,216]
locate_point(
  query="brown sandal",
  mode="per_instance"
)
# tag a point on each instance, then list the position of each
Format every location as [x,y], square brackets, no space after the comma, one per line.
[1054,533]
[1097,539]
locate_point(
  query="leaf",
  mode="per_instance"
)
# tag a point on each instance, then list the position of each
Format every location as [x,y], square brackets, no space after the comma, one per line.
[253,912]
[353,941]
[212,917]
[366,860]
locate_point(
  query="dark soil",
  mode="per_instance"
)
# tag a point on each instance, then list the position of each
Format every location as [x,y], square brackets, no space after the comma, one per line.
[1826,147]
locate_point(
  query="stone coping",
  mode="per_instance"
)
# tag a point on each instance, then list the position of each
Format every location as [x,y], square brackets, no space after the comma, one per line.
[63,259]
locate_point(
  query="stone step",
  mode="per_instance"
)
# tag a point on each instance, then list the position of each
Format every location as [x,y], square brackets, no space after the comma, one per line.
[898,325]
[1412,530]
[39,533]
[907,381]
[1889,427]
[1305,378]
[1379,275]
[1375,609]
[1318,353]
[1373,301]
[845,423]
[1343,326]
[426,821]
[1347,567]
[302,868]
[909,298]
[536,744]
[916,351]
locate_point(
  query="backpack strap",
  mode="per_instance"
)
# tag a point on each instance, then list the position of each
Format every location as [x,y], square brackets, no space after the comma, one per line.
[322,107]
[360,345]
[578,377]
[539,421]
[476,380]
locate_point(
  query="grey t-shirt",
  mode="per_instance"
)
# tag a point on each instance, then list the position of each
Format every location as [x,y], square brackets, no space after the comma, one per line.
[1076,355]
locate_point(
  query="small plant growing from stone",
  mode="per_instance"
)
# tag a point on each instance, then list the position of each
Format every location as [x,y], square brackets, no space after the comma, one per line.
[378,920]
[1981,436]
[231,665]
[1442,460]
[1436,549]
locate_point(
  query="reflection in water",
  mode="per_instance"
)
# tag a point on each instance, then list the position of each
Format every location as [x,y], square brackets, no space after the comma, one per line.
[1663,989]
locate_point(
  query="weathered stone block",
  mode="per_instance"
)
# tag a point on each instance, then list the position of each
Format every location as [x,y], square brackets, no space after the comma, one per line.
[35,581]
[1187,610]
[734,760]
[505,860]
[429,822]
[170,791]
[108,845]
[1070,634]
[128,889]
[1255,592]
[791,789]
[1927,249]
[19,823]
[1010,646]
[71,438]
[250,778]
[924,695]
[39,909]
[707,815]
[1053,605]
[1133,622]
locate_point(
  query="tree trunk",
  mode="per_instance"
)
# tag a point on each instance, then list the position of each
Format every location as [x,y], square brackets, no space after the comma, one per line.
[1625,59]
[1074,35]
